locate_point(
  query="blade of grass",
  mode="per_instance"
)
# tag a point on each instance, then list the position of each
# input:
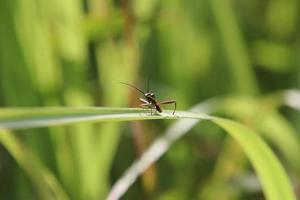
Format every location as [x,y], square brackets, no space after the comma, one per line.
[274,179]
[262,115]
[278,130]
[40,117]
[245,137]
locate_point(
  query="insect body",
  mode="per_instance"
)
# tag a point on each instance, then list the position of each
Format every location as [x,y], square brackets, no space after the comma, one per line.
[149,100]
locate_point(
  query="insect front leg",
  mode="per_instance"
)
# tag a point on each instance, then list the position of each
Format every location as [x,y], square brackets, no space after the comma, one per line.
[146,104]
[169,102]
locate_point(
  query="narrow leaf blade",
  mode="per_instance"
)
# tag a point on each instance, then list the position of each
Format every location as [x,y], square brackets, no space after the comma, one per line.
[274,180]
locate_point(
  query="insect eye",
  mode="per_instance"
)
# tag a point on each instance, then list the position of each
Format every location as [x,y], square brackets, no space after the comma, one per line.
[150,95]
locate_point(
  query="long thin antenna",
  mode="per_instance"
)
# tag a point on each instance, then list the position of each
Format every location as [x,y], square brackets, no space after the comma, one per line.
[133,87]
[148,84]
[148,81]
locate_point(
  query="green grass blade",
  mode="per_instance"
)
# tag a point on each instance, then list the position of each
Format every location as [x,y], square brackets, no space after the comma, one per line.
[39,117]
[274,180]
[262,115]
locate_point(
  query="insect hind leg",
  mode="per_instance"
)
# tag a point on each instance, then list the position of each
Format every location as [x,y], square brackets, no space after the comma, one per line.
[170,102]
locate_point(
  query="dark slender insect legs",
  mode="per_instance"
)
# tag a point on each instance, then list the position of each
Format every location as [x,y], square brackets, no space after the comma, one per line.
[157,105]
[150,100]
[169,102]
[146,104]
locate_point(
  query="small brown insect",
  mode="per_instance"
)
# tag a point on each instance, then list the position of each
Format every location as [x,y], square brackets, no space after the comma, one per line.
[149,100]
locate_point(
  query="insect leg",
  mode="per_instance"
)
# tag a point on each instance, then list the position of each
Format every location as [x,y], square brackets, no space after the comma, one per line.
[169,102]
[144,101]
[147,106]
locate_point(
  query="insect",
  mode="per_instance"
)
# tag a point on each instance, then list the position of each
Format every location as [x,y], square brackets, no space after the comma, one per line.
[150,101]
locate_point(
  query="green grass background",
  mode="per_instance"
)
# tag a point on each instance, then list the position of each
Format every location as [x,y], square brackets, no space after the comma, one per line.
[74,53]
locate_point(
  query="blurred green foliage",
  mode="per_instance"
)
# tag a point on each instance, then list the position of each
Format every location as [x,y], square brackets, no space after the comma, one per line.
[73,53]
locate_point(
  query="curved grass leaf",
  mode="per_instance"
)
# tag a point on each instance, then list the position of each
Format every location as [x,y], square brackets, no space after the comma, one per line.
[275,182]
[40,117]
[262,115]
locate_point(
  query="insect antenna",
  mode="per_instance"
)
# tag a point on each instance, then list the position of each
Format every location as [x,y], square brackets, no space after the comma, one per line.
[133,87]
[148,84]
